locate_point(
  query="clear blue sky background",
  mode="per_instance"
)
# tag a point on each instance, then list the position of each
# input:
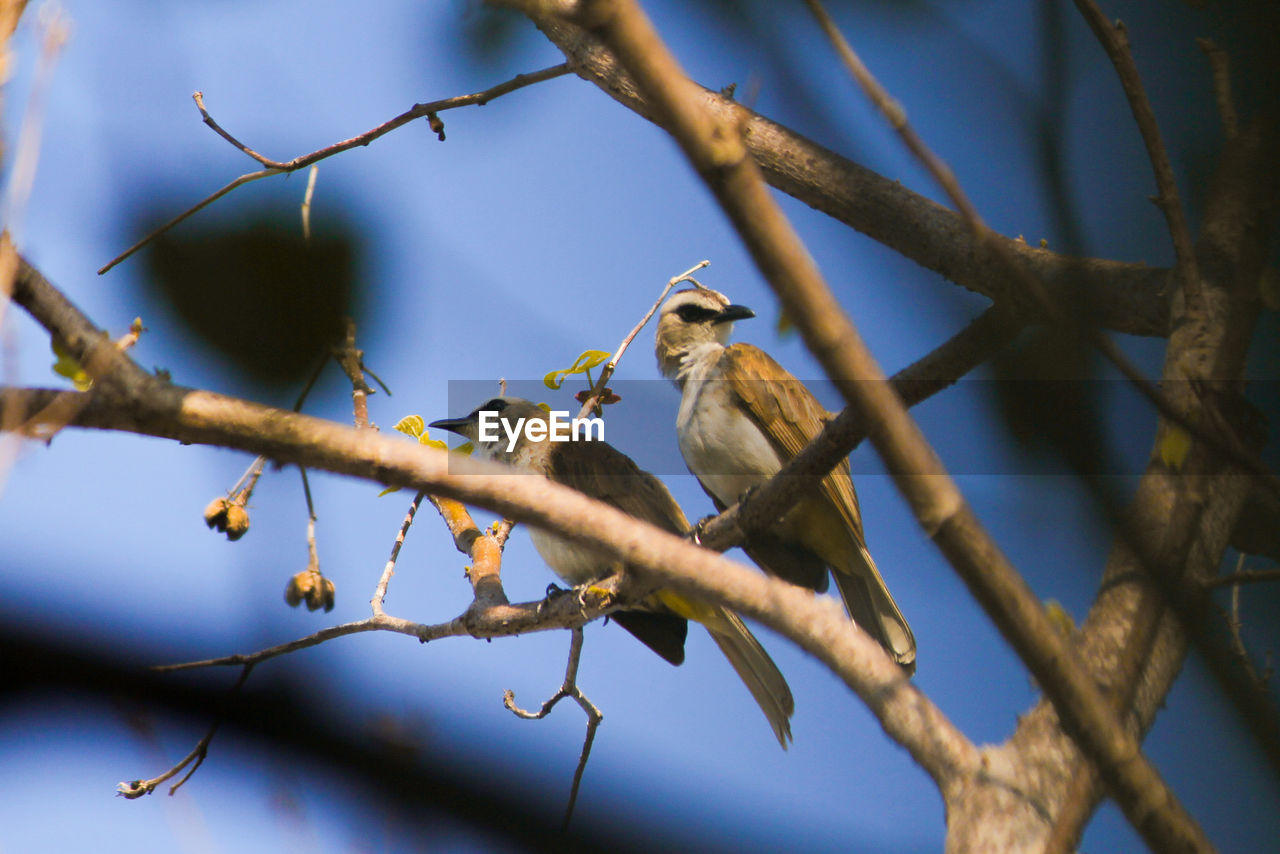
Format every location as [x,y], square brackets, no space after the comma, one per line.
[546,225]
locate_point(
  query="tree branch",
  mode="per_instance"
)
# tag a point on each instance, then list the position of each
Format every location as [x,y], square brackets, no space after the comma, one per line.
[986,335]
[717,152]
[1125,297]
[279,167]
[1115,41]
[146,405]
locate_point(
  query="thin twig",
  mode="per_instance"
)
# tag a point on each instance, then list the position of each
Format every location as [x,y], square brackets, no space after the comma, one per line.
[1220,66]
[196,208]
[1115,41]
[198,97]
[1246,576]
[306,201]
[569,688]
[1238,649]
[137,788]
[278,167]
[351,359]
[311,519]
[598,388]
[489,621]
[380,592]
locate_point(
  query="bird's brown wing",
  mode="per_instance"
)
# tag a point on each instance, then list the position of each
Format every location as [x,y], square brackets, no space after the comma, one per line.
[791,417]
[599,470]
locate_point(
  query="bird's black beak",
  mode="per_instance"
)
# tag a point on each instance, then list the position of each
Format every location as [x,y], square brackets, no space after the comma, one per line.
[734,312]
[453,425]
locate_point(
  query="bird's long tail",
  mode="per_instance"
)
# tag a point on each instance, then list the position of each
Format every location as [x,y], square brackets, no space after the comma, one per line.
[753,665]
[757,671]
[869,603]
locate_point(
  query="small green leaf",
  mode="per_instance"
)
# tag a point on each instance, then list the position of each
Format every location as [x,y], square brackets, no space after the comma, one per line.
[415,426]
[784,327]
[412,425]
[68,367]
[388,491]
[585,362]
[1059,618]
[1174,447]
[465,448]
[589,359]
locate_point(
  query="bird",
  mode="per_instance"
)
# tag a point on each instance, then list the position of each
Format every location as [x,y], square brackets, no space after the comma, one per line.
[597,469]
[742,417]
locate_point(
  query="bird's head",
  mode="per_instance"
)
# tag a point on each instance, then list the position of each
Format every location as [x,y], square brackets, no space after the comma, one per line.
[497,428]
[692,318]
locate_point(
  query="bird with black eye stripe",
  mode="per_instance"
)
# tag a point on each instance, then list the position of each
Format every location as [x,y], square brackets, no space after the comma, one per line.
[596,469]
[742,417]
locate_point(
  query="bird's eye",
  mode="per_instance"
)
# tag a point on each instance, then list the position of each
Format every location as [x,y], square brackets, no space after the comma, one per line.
[695,313]
[495,405]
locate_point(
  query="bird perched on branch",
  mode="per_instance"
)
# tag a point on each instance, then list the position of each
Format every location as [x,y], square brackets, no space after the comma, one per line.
[596,469]
[742,417]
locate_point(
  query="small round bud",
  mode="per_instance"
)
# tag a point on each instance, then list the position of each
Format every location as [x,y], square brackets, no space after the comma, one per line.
[215,515]
[228,517]
[299,588]
[313,588]
[237,522]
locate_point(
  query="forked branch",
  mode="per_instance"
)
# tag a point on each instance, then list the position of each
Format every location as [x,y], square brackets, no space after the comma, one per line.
[281,167]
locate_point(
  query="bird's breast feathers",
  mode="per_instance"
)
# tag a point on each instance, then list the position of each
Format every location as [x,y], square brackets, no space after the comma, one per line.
[574,563]
[719,441]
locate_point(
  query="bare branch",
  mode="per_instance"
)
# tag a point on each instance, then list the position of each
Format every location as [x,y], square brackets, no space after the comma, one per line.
[937,370]
[1130,298]
[278,167]
[1220,65]
[351,359]
[196,208]
[569,688]
[593,396]
[1115,41]
[305,207]
[485,551]
[717,152]
[137,788]
[380,592]
[1244,576]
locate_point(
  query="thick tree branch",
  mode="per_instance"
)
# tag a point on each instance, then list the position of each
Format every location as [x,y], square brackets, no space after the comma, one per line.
[989,333]
[1125,297]
[1180,522]
[143,404]
[717,152]
[816,624]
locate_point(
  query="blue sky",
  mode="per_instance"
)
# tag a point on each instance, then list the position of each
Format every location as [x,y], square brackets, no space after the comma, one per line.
[545,225]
